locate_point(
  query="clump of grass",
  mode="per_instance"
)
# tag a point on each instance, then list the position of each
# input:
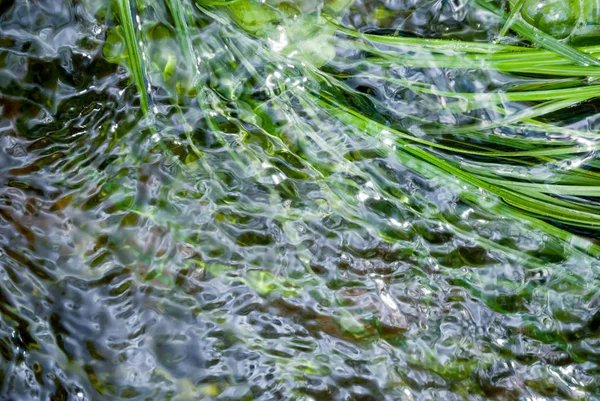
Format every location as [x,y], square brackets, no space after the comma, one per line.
[500,156]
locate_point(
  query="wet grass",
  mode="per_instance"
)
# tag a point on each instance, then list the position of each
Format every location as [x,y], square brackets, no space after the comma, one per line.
[265,202]
[564,197]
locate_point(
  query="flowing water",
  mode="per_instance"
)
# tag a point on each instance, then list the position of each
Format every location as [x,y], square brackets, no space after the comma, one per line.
[267,253]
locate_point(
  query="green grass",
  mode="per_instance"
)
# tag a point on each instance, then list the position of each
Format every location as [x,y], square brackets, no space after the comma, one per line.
[522,166]
[552,77]
[512,17]
[135,62]
[542,39]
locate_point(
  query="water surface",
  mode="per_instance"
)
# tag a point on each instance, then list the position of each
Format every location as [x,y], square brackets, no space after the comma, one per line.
[268,253]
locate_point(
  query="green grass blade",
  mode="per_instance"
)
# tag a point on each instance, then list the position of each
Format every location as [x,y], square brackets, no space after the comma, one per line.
[429,60]
[542,39]
[532,112]
[184,34]
[339,110]
[576,190]
[136,64]
[514,14]
[496,97]
[434,45]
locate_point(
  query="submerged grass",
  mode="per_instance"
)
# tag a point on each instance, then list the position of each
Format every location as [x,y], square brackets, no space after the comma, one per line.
[135,61]
[497,155]
[542,39]
[504,152]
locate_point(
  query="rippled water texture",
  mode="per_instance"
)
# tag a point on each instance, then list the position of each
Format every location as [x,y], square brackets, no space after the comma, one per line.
[267,253]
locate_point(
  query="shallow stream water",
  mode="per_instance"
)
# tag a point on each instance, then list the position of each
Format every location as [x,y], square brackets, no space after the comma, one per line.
[164,258]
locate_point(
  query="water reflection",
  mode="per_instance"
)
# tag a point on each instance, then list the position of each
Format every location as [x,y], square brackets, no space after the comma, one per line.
[271,255]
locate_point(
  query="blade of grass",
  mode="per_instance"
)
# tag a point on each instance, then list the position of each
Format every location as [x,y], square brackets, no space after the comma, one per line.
[577,190]
[532,112]
[539,152]
[437,45]
[514,14]
[430,60]
[496,97]
[184,34]
[136,63]
[542,39]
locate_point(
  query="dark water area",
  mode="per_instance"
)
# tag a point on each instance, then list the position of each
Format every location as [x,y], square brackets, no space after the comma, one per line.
[259,257]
